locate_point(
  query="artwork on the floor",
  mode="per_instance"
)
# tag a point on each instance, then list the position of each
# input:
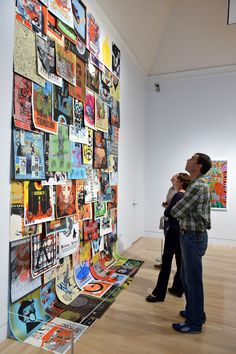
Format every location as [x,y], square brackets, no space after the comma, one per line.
[217,181]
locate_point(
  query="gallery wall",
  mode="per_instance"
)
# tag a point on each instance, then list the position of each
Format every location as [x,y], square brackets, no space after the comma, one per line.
[132,142]
[193,112]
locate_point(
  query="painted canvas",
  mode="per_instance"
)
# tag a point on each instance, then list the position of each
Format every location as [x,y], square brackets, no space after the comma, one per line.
[217,181]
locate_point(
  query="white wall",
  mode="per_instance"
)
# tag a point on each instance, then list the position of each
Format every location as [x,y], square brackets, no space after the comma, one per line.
[132,137]
[193,112]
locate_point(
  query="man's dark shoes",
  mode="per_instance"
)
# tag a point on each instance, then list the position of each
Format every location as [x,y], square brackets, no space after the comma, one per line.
[174,292]
[185,328]
[183,314]
[153,298]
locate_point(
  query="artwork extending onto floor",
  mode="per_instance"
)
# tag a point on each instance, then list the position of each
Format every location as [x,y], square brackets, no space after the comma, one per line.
[65,271]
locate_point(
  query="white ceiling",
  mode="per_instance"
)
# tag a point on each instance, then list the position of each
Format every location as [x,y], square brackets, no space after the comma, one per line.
[174,35]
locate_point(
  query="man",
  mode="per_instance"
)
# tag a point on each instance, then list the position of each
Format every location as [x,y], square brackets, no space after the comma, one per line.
[193,214]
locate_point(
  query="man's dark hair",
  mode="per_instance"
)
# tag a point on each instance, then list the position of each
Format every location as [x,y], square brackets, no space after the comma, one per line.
[205,161]
[184,178]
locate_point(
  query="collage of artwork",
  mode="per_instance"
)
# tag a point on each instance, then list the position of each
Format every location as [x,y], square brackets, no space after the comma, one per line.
[65,271]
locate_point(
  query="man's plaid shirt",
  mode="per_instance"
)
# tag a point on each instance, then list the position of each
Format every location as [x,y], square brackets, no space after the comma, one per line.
[193,210]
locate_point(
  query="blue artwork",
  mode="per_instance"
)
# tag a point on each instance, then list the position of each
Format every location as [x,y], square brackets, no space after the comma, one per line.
[29,161]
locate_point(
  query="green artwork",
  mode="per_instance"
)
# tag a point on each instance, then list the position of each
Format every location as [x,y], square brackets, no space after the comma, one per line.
[60,151]
[100,209]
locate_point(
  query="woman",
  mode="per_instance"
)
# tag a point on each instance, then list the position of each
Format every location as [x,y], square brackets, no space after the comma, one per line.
[171,247]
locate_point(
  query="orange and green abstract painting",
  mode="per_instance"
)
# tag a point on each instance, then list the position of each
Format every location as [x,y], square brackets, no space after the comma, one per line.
[217,180]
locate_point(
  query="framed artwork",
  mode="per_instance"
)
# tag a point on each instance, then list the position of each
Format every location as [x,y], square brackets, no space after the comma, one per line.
[217,181]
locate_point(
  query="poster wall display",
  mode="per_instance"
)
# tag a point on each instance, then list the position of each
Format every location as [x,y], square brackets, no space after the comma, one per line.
[63,224]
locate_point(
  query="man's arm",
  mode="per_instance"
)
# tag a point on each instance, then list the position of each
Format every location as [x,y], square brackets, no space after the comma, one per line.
[186,204]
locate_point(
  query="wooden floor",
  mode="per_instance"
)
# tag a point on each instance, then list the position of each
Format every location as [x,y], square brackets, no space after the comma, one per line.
[133,326]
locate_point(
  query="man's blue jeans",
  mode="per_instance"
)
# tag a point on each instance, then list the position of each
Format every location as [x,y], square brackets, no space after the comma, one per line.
[193,246]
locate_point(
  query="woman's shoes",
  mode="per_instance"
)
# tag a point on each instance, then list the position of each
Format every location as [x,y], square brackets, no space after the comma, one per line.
[153,298]
[174,292]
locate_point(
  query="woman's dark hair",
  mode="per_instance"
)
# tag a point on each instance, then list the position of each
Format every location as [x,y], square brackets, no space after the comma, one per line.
[184,178]
[205,161]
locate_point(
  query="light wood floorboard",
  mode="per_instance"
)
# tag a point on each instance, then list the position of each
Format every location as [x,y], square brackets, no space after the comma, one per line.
[131,325]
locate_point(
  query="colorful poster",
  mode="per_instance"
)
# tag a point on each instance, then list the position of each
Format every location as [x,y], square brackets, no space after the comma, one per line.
[114,198]
[49,300]
[105,226]
[38,203]
[42,108]
[87,149]
[115,60]
[52,30]
[28,155]
[82,273]
[69,239]
[56,226]
[56,335]
[217,181]
[78,49]
[101,115]
[46,60]
[83,211]
[114,140]
[105,50]
[21,281]
[78,132]
[25,61]
[93,35]
[65,199]
[91,185]
[115,88]
[96,288]
[43,253]
[115,113]
[68,32]
[79,91]
[79,13]
[59,159]
[17,228]
[26,315]
[31,11]
[23,103]
[52,178]
[89,110]
[76,155]
[90,230]
[100,209]
[63,105]
[92,77]
[105,87]
[113,170]
[62,9]
[66,287]
[105,193]
[66,64]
